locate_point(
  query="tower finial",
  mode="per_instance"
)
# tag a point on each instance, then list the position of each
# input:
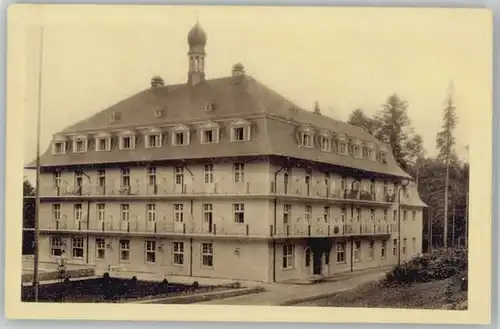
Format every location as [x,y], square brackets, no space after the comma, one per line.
[317,110]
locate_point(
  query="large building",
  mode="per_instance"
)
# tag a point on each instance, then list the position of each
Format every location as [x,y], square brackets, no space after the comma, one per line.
[223,178]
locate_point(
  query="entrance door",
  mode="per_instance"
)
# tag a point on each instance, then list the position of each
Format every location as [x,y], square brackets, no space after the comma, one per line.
[317,266]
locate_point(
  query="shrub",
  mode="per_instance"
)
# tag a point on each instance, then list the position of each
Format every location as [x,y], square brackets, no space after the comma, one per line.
[437,265]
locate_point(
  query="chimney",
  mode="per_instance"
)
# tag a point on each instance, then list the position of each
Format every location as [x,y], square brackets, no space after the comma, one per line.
[317,110]
[157,82]
[238,72]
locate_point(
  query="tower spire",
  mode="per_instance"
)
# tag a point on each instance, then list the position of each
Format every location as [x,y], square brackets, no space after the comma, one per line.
[197,39]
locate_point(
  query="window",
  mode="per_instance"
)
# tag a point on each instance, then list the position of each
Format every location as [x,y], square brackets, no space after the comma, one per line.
[209,136]
[103,144]
[151,212]
[343,213]
[414,245]
[127,142]
[371,153]
[326,215]
[178,213]
[386,188]
[115,116]
[100,248]
[306,140]
[394,247]
[207,254]
[125,178]
[158,113]
[385,215]
[101,178]
[77,247]
[403,250]
[153,140]
[241,134]
[208,214]
[56,246]
[395,215]
[358,215]
[382,250]
[404,215]
[357,251]
[209,173]
[125,212]
[325,144]
[150,251]
[341,252]
[372,214]
[101,212]
[288,251]
[56,179]
[371,249]
[78,179]
[78,212]
[80,145]
[343,183]
[152,176]
[124,250]
[58,147]
[178,250]
[342,147]
[372,186]
[287,208]
[357,151]
[56,212]
[413,215]
[307,213]
[383,157]
[239,172]
[180,138]
[239,213]
[179,175]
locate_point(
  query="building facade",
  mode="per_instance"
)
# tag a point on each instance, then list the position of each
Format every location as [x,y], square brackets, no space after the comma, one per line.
[223,178]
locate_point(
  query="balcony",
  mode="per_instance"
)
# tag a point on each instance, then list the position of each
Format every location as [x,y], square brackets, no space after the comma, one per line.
[163,190]
[322,192]
[333,230]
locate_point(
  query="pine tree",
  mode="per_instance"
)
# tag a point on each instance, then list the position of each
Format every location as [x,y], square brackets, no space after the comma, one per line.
[394,123]
[446,153]
[360,119]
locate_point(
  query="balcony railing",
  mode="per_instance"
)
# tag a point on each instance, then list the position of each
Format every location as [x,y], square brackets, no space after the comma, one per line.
[333,230]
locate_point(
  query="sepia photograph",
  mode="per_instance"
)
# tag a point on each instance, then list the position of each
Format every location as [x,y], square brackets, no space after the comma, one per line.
[306,159]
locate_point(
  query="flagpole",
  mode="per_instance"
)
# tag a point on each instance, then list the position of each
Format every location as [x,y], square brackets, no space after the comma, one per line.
[37,187]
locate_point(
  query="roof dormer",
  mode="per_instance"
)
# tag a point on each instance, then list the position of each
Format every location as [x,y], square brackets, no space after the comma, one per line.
[305,136]
[357,148]
[181,135]
[209,132]
[103,141]
[325,140]
[127,139]
[342,144]
[240,130]
[80,143]
[153,137]
[59,145]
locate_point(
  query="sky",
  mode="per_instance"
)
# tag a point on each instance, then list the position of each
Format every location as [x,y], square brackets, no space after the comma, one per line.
[343,58]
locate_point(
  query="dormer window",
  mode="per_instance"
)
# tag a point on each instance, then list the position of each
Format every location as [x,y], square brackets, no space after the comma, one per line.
[240,131]
[115,116]
[127,140]
[383,157]
[158,113]
[357,151]
[59,146]
[371,153]
[153,138]
[325,141]
[80,144]
[103,142]
[210,107]
[180,135]
[209,133]
[342,147]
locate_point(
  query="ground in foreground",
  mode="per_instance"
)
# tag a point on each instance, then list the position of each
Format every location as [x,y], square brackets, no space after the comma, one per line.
[428,295]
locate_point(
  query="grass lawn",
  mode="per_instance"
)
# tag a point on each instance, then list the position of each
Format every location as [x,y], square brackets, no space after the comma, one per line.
[94,290]
[428,295]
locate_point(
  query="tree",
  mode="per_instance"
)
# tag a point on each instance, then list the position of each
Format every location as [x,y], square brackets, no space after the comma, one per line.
[394,125]
[445,142]
[29,210]
[360,119]
[416,154]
